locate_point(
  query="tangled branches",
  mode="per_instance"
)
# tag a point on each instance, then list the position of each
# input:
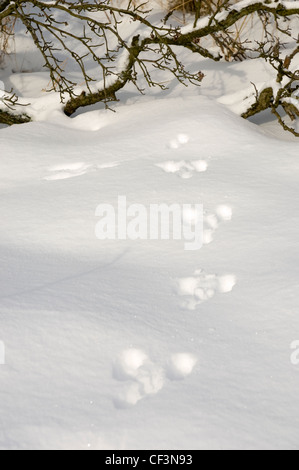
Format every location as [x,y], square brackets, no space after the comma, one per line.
[7,116]
[6,34]
[283,93]
[90,57]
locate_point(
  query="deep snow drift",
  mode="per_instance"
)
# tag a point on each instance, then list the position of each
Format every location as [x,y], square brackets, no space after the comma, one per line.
[141,344]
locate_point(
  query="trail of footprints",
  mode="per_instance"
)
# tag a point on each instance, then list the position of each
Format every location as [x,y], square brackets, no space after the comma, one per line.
[201,286]
[142,377]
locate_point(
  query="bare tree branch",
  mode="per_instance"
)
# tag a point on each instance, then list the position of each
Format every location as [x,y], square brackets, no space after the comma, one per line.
[118,60]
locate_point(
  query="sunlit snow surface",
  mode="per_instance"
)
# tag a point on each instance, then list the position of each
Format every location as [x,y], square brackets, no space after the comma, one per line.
[141,344]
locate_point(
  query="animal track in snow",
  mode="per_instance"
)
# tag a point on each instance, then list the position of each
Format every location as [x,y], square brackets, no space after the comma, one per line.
[211,222]
[142,377]
[183,168]
[181,139]
[202,286]
[72,170]
[180,366]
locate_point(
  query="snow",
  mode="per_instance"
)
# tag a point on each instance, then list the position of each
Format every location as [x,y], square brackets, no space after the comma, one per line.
[239,6]
[123,344]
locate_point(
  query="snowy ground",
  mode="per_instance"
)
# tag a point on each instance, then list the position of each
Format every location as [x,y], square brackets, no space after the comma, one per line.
[133,345]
